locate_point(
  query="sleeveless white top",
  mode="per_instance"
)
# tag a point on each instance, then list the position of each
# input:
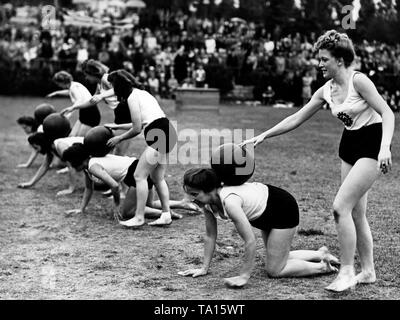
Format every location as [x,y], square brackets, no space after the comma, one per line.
[253,194]
[150,110]
[63,144]
[116,166]
[81,93]
[354,112]
[104,85]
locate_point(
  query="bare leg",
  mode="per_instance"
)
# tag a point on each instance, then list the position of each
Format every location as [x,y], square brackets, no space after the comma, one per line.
[356,183]
[364,242]
[83,129]
[147,163]
[163,193]
[322,254]
[277,243]
[129,206]
[75,129]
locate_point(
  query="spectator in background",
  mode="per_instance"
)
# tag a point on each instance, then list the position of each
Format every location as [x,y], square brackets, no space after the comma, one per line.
[307,80]
[200,76]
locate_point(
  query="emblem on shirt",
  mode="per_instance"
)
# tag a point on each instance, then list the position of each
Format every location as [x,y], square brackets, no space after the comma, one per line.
[345,118]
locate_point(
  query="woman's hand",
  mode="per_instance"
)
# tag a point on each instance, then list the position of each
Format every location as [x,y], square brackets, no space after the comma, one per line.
[64,192]
[112,126]
[255,141]
[113,141]
[193,272]
[73,211]
[385,159]
[25,185]
[236,282]
[96,99]
[67,110]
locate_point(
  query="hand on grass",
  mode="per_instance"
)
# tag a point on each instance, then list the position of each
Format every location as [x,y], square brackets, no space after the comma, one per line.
[25,185]
[236,282]
[193,272]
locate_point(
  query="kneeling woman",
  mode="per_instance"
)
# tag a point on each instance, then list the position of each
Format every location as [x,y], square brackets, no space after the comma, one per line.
[270,209]
[113,170]
[44,145]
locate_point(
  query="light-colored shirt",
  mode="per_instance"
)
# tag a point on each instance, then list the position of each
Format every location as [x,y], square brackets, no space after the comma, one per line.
[254,197]
[63,144]
[116,166]
[78,92]
[150,110]
[354,112]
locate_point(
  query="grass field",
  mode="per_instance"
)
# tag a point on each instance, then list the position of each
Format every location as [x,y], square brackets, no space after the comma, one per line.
[47,255]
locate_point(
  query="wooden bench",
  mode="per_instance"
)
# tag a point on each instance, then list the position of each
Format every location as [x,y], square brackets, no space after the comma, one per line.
[197,98]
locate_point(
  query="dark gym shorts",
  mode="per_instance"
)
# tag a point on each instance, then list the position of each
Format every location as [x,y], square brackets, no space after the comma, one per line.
[362,143]
[90,116]
[282,211]
[161,135]
[129,179]
[122,113]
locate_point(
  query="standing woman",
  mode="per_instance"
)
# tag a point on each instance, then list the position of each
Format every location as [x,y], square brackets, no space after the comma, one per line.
[364,149]
[96,72]
[78,93]
[160,137]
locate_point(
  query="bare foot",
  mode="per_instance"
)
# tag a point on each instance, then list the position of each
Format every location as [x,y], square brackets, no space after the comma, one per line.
[326,256]
[366,277]
[344,281]
[328,268]
[192,207]
[133,223]
[176,216]
[164,220]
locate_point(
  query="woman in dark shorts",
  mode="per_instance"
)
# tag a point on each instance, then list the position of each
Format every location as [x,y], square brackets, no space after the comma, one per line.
[78,93]
[96,72]
[114,170]
[160,136]
[272,210]
[364,149]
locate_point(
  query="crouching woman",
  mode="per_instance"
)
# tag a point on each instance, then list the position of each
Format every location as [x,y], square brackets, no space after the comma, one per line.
[272,210]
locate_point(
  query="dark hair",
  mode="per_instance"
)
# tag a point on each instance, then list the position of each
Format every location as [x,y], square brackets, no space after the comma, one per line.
[123,83]
[204,179]
[94,68]
[75,154]
[338,44]
[28,121]
[62,77]
[40,139]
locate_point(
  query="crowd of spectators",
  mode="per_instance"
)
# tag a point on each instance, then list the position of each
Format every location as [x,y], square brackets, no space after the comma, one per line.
[190,52]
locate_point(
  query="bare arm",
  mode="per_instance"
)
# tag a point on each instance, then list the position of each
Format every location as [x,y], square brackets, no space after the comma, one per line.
[209,247]
[87,195]
[136,128]
[368,91]
[40,173]
[58,93]
[31,159]
[293,121]
[233,206]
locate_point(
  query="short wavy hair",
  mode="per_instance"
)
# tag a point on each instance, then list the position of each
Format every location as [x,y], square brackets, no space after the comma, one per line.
[41,140]
[63,77]
[338,44]
[204,179]
[75,155]
[123,83]
[94,68]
